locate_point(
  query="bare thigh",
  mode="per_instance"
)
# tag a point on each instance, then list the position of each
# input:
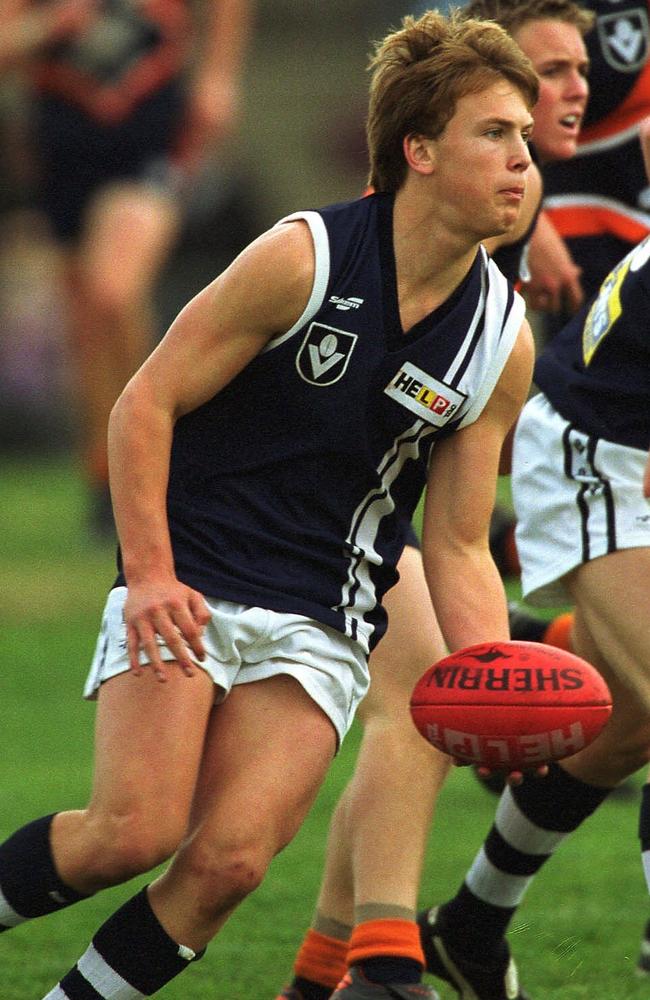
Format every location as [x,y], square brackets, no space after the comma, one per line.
[266,753]
[148,746]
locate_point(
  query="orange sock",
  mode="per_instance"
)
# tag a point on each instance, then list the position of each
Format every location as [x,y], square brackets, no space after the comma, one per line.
[558,632]
[321,959]
[396,938]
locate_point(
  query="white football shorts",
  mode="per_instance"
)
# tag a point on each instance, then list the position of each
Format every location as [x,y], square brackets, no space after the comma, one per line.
[576,497]
[246,644]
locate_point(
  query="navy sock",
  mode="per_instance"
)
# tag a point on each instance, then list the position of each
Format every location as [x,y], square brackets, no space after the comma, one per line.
[391,969]
[644,832]
[130,955]
[310,990]
[531,822]
[30,886]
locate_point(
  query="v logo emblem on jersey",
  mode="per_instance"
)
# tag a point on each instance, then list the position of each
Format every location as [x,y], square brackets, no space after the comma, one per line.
[624,39]
[324,354]
[320,365]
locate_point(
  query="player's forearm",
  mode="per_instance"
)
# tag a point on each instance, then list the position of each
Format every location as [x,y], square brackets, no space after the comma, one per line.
[139,443]
[468,596]
[226,37]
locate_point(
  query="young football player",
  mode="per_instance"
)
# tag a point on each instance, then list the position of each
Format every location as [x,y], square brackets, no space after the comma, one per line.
[265,461]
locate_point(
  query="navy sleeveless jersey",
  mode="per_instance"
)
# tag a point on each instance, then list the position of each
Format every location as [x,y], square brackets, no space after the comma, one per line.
[596,372]
[293,487]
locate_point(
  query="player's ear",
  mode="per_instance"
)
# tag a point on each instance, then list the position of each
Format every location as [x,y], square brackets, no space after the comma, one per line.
[420,153]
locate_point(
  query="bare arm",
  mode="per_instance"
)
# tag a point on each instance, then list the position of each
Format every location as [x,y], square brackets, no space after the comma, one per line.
[215,336]
[555,278]
[224,30]
[465,585]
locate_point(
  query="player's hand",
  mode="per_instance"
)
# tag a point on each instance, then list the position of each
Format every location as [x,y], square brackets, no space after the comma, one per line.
[555,278]
[512,778]
[168,611]
[213,110]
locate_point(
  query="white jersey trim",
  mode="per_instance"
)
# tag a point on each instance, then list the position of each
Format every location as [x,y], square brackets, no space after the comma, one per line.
[496,343]
[359,591]
[608,142]
[321,272]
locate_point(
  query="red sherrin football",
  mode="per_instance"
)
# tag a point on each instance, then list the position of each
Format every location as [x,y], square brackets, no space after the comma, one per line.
[510,705]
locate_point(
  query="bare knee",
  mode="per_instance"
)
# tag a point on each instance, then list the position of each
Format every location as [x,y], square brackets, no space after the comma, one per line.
[219,882]
[614,756]
[123,845]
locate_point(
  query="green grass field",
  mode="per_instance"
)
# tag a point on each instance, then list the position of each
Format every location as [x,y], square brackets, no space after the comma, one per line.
[576,935]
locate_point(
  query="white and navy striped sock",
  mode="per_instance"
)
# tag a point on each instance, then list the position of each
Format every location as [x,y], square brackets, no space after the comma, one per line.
[644,832]
[130,957]
[29,883]
[531,822]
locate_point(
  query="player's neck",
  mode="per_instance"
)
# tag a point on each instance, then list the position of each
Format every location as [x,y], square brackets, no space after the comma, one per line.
[430,260]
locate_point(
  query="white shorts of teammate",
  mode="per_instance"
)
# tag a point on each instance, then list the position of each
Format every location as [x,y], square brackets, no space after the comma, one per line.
[576,497]
[245,644]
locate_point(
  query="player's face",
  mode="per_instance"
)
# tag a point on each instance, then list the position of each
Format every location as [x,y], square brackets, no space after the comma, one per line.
[481,161]
[558,53]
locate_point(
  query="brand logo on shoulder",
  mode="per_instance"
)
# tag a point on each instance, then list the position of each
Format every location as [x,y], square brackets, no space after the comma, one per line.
[324,354]
[424,395]
[353,302]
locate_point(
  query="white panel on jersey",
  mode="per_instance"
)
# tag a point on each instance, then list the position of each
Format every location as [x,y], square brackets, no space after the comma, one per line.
[321,272]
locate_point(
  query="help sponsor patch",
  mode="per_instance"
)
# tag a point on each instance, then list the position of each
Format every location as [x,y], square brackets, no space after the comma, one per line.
[424,395]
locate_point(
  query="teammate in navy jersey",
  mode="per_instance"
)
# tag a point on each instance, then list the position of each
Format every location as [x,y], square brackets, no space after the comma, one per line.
[581,489]
[379,828]
[599,201]
[263,462]
[127,100]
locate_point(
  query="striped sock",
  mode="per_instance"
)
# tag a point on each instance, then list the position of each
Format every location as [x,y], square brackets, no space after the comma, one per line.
[29,883]
[131,956]
[531,822]
[644,832]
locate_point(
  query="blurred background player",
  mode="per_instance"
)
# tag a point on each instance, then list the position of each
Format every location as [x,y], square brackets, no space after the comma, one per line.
[581,488]
[599,201]
[128,101]
[379,827]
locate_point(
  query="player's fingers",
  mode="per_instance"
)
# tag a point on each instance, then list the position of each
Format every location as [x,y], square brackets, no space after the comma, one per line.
[541,771]
[133,648]
[515,778]
[199,609]
[574,296]
[148,643]
[187,641]
[177,644]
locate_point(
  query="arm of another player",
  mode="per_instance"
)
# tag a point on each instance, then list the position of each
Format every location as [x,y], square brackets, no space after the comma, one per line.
[224,29]
[263,292]
[555,278]
[465,585]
